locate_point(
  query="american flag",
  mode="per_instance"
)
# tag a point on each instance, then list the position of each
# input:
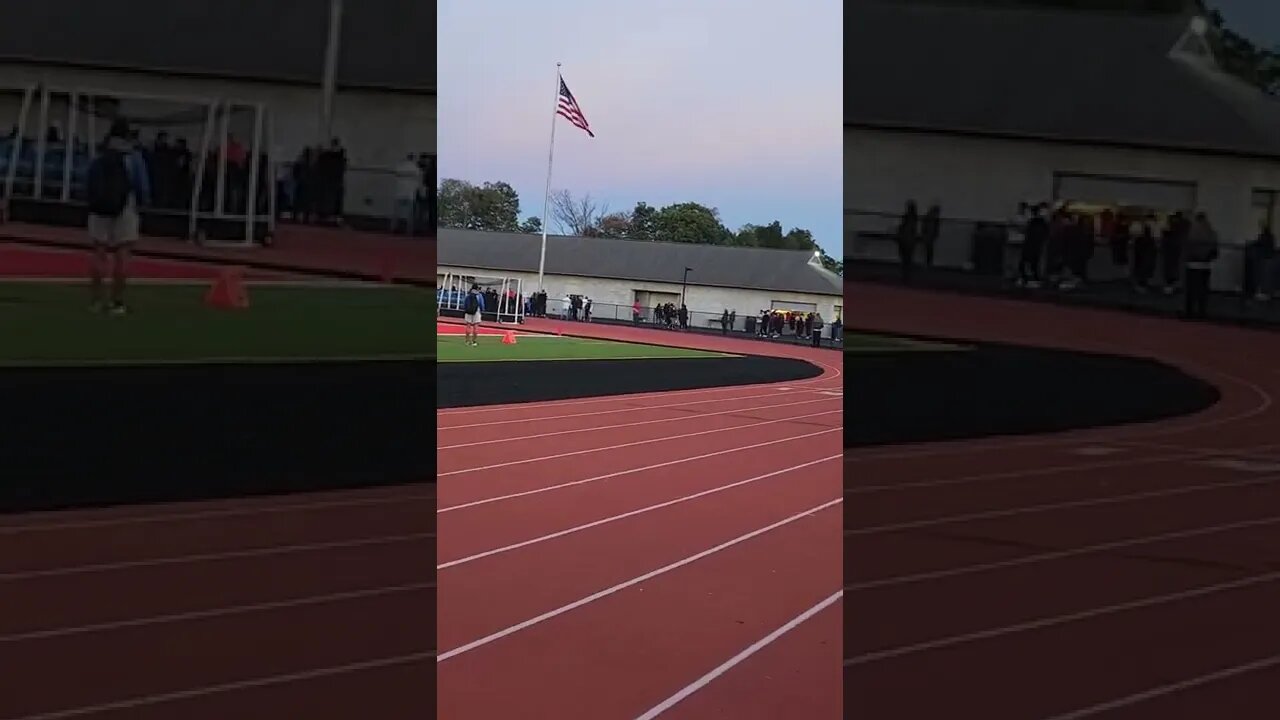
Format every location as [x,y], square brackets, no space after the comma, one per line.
[569,110]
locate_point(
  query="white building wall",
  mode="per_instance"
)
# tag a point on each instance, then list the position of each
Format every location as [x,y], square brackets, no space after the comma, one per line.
[984,179]
[377,128]
[700,299]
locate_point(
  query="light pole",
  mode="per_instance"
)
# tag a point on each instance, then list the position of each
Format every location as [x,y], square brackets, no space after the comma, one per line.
[683,284]
[329,80]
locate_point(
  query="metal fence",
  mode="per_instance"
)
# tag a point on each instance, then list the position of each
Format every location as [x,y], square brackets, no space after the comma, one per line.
[735,323]
[995,247]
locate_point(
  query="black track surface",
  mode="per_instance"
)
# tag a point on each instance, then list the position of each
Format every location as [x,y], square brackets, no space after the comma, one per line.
[107,436]
[494,383]
[991,390]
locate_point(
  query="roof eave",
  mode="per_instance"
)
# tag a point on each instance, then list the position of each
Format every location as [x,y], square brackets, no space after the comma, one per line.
[997,134]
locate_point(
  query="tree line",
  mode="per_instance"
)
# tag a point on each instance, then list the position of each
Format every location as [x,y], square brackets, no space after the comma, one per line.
[495,206]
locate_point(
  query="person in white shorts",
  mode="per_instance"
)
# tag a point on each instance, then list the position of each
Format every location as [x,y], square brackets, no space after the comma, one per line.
[118,185]
[472,307]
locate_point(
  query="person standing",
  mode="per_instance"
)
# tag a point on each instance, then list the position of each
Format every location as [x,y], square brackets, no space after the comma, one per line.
[1035,235]
[1171,249]
[472,309]
[1202,250]
[930,229]
[908,236]
[724,323]
[817,329]
[1262,257]
[118,186]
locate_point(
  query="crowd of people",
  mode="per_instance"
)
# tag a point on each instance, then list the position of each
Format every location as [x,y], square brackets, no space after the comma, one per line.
[1158,253]
[801,325]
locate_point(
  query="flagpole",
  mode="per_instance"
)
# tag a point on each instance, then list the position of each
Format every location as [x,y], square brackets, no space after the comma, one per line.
[546,196]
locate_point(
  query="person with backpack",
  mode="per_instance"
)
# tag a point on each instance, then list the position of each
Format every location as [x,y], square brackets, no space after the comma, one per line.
[472,307]
[117,186]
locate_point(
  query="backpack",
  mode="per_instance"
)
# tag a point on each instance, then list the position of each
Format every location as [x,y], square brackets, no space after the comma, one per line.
[472,304]
[108,184]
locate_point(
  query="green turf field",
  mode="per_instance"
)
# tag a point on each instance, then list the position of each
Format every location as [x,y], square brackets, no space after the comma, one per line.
[864,343]
[51,323]
[451,348]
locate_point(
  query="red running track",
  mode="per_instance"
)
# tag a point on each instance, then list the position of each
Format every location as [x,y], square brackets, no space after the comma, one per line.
[305,606]
[1125,573]
[38,263]
[667,555]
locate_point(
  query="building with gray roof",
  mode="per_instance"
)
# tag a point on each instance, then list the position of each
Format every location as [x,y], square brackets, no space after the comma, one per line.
[245,53]
[616,273]
[980,108]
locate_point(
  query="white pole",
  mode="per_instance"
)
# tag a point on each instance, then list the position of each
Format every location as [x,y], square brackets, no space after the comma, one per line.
[330,72]
[16,147]
[42,144]
[546,197]
[69,142]
[220,192]
[202,163]
[251,202]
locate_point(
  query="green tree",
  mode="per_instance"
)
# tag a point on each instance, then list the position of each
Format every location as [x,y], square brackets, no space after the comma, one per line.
[643,222]
[491,206]
[692,223]
[532,225]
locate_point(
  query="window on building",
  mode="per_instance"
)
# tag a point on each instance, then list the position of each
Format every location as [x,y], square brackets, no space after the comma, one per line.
[1266,207]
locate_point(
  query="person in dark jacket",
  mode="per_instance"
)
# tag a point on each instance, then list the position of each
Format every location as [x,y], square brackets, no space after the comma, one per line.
[930,228]
[1260,265]
[908,236]
[1173,245]
[1202,250]
[1035,235]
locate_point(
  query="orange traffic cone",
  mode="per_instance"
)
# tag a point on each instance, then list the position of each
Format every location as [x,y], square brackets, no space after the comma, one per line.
[509,338]
[228,291]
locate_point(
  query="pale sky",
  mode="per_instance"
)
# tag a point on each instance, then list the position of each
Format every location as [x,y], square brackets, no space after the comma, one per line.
[1258,20]
[735,104]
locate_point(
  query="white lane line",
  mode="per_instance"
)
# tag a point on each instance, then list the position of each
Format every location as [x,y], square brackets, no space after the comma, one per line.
[493,637]
[732,662]
[164,517]
[1013,474]
[597,428]
[1171,688]
[211,557]
[588,451]
[1056,620]
[1251,466]
[214,612]
[627,409]
[1060,554]
[631,513]
[266,681]
[1030,509]
[620,473]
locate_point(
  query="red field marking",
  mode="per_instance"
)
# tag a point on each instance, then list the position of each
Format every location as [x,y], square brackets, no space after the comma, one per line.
[550,536]
[1137,575]
[447,328]
[220,609]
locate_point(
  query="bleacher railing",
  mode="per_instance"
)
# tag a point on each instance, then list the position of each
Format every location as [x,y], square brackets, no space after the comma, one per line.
[872,236]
